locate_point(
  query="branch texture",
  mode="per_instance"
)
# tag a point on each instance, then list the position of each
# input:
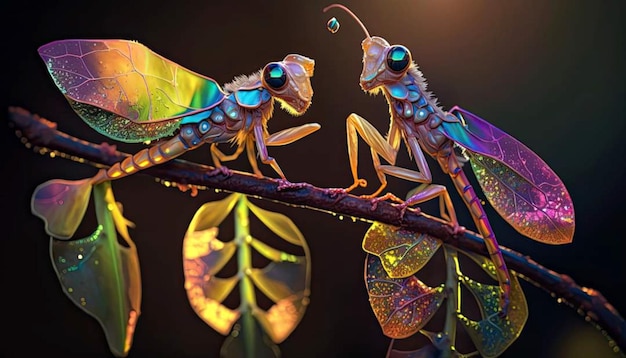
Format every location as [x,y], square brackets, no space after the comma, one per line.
[42,133]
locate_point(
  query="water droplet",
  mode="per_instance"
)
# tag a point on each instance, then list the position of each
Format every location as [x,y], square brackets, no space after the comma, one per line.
[333,25]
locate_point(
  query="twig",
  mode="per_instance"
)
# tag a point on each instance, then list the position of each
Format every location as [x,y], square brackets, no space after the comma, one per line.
[42,133]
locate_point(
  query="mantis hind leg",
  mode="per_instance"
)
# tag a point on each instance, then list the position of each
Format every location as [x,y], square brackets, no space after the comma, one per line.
[477,211]
[426,192]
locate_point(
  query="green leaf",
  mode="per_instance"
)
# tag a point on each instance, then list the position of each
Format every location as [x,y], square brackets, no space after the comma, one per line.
[101,276]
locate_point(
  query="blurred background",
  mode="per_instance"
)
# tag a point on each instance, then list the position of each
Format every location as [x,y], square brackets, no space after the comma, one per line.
[549,73]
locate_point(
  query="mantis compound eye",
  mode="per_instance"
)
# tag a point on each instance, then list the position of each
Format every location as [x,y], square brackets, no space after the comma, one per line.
[275,76]
[398,58]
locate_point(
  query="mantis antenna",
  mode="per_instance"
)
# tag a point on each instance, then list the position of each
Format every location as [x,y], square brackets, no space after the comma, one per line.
[336,27]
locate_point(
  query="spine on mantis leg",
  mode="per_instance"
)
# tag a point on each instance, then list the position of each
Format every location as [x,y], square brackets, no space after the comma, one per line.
[187,139]
[465,189]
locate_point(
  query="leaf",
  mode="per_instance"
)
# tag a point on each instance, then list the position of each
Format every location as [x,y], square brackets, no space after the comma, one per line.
[285,281]
[494,334]
[402,252]
[287,284]
[211,214]
[402,306]
[203,256]
[101,276]
[279,224]
[61,204]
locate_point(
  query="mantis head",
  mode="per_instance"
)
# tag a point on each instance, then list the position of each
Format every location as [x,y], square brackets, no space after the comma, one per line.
[289,82]
[382,63]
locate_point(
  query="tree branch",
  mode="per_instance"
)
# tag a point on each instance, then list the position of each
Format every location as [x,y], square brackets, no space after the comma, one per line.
[42,133]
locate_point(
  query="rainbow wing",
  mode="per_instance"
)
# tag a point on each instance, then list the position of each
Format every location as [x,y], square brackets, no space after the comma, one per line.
[516,181]
[126,91]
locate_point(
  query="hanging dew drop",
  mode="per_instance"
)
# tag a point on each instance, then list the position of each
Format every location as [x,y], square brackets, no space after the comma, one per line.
[333,25]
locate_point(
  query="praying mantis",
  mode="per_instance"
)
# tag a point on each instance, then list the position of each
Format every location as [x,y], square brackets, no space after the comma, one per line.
[129,93]
[522,188]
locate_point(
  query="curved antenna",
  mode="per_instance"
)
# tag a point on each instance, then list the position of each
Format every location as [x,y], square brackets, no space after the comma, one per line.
[367,34]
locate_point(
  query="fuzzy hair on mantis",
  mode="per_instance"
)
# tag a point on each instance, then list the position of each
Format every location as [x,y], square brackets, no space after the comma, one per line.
[521,187]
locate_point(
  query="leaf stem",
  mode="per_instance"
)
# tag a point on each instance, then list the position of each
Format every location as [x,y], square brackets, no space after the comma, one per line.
[246,287]
[453,301]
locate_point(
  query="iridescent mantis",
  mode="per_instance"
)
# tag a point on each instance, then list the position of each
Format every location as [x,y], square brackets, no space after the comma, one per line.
[522,188]
[131,94]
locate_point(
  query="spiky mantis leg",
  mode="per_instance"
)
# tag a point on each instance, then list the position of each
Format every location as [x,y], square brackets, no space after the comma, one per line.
[388,149]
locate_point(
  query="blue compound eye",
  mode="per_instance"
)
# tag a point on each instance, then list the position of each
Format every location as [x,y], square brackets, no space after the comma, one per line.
[398,58]
[274,75]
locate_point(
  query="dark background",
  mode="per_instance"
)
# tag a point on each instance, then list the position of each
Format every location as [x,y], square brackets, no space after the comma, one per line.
[550,73]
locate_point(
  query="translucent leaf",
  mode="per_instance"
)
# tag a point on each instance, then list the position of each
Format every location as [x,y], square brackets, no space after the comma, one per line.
[283,317]
[205,244]
[402,252]
[279,224]
[211,214]
[287,284]
[248,340]
[280,279]
[61,204]
[203,256]
[101,276]
[285,281]
[402,306]
[494,334]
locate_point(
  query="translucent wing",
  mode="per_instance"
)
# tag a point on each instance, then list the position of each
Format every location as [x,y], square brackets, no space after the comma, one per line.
[126,91]
[516,181]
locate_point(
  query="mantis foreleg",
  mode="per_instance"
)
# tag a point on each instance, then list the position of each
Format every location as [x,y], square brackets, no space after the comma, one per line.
[388,149]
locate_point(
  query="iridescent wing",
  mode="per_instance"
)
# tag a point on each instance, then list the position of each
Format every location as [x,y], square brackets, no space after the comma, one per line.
[522,188]
[126,91]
